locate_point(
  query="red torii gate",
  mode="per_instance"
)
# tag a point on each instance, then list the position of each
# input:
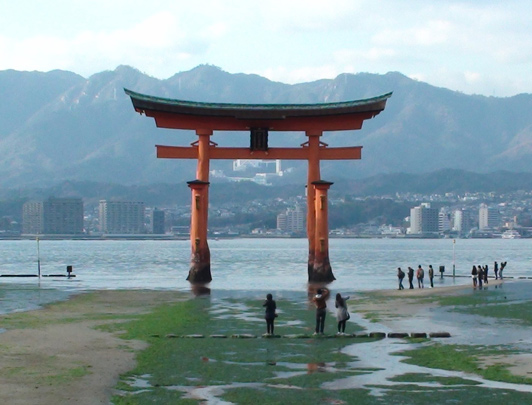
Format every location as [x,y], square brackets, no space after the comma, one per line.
[259,119]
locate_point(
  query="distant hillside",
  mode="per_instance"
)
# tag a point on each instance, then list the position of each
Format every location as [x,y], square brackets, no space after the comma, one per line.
[59,126]
[171,195]
[439,182]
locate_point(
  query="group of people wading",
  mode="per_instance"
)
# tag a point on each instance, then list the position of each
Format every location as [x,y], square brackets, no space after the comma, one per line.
[320,302]
[479,273]
[420,276]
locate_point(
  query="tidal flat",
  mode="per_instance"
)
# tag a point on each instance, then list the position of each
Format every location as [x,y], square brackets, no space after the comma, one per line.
[140,347]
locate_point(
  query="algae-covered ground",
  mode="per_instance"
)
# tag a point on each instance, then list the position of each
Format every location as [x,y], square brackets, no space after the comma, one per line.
[202,350]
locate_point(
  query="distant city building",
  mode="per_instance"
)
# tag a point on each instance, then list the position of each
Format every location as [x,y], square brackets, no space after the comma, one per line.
[462,221]
[260,166]
[292,220]
[424,219]
[63,216]
[157,223]
[444,220]
[54,216]
[488,217]
[121,217]
[32,218]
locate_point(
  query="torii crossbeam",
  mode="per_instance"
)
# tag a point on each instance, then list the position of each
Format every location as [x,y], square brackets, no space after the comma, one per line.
[259,120]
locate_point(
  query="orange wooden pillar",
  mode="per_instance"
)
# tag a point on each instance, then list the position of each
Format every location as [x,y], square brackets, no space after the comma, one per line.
[313,174]
[322,271]
[200,261]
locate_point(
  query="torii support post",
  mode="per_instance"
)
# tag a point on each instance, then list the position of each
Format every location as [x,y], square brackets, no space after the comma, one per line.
[200,259]
[313,174]
[321,271]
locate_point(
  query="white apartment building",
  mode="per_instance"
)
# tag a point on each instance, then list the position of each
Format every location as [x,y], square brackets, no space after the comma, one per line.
[424,219]
[121,217]
[488,217]
[444,220]
[292,220]
[462,221]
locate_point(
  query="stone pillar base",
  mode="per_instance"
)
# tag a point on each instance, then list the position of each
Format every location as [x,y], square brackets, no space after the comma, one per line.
[200,267]
[199,273]
[321,272]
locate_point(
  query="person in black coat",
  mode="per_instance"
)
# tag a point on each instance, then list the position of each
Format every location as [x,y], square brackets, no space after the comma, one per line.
[270,314]
[400,276]
[411,277]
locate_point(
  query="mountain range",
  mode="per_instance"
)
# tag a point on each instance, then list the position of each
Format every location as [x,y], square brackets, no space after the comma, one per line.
[59,126]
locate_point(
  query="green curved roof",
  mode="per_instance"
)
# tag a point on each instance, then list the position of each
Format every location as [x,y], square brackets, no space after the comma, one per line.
[258,111]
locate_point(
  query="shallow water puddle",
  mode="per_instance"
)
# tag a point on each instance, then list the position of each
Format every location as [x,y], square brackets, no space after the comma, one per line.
[381,353]
[211,394]
[140,381]
[224,309]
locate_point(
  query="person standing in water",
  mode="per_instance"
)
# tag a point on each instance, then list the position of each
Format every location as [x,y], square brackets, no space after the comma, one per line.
[420,274]
[431,276]
[400,276]
[270,314]
[342,314]
[503,265]
[320,301]
[411,277]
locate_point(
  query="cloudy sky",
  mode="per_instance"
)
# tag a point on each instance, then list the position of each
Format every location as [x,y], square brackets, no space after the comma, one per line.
[472,46]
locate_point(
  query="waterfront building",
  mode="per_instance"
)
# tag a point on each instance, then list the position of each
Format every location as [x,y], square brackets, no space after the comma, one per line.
[121,217]
[157,222]
[292,220]
[63,216]
[424,220]
[32,218]
[462,221]
[54,216]
[488,217]
[444,220]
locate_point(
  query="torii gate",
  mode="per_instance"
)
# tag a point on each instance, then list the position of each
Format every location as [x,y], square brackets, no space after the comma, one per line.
[259,119]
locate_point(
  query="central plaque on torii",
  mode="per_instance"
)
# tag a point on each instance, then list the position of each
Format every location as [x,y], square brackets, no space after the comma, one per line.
[259,120]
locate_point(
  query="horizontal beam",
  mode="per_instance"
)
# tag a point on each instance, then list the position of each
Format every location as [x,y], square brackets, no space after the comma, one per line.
[191,152]
[343,122]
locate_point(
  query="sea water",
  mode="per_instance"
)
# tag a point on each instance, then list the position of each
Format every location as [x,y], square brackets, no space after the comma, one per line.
[253,264]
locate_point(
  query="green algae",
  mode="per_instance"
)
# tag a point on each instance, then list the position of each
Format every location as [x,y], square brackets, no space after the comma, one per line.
[464,358]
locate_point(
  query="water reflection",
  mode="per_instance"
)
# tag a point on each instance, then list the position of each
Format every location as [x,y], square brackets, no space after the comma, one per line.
[200,290]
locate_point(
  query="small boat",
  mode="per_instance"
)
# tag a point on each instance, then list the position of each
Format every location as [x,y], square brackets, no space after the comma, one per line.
[510,234]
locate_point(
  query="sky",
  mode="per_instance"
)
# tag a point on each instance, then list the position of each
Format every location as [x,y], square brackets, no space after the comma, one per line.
[472,46]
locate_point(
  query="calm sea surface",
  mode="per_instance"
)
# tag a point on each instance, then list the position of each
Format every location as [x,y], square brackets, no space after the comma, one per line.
[251,264]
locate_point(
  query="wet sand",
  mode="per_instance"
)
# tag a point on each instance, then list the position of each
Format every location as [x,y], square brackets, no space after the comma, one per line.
[55,355]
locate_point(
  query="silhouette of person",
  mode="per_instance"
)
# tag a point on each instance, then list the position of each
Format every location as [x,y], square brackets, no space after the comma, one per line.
[411,277]
[270,314]
[503,265]
[400,276]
